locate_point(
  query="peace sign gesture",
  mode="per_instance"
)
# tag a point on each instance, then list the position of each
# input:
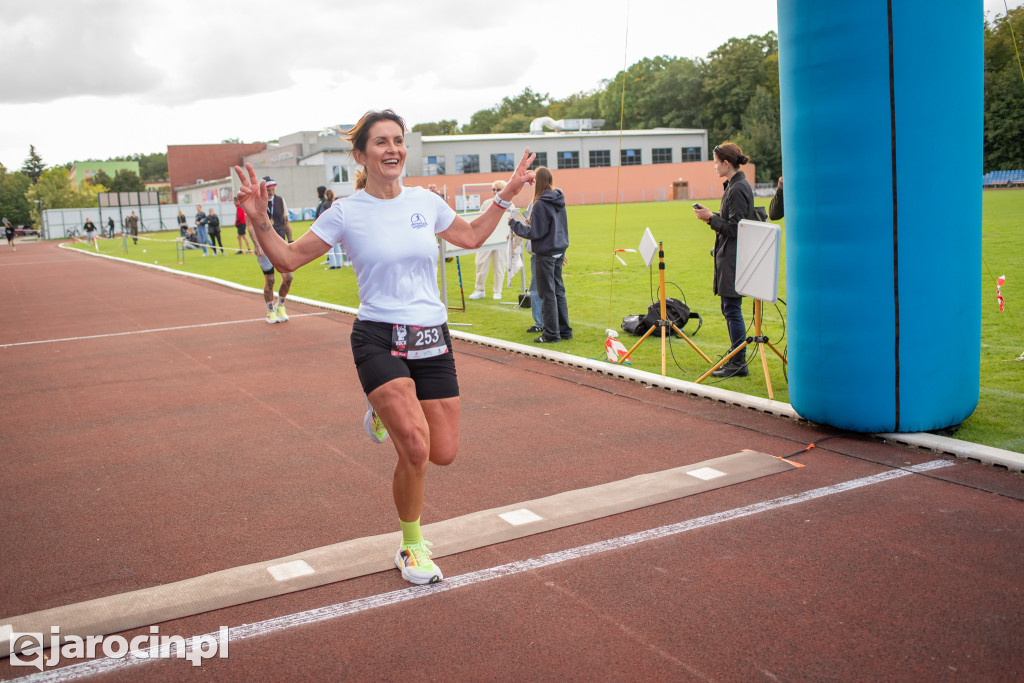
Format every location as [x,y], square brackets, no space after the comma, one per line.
[522,175]
[252,196]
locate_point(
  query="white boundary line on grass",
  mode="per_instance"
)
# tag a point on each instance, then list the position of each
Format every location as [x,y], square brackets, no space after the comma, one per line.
[270,626]
[932,442]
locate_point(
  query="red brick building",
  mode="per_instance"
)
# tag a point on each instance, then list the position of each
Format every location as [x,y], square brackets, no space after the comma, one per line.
[187,164]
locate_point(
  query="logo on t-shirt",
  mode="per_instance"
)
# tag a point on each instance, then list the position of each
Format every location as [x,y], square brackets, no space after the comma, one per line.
[418,221]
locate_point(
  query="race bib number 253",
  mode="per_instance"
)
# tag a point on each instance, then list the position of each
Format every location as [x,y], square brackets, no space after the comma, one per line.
[412,342]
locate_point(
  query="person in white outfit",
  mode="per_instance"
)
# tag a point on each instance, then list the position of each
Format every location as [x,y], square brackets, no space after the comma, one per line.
[496,257]
[400,340]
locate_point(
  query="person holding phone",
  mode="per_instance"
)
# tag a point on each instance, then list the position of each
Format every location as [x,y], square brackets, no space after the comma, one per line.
[737,204]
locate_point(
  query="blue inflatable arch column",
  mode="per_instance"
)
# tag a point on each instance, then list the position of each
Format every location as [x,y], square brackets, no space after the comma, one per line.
[882,159]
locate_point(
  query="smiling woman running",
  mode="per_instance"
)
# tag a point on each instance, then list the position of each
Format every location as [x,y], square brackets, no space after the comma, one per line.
[400,340]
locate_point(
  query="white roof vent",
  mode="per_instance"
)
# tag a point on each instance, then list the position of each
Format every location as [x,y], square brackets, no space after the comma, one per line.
[537,125]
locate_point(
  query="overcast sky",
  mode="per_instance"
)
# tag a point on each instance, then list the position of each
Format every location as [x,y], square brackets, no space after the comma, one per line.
[99,78]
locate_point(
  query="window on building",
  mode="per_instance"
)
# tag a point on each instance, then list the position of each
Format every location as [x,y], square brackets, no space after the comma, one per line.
[467,163]
[600,157]
[433,165]
[661,155]
[691,154]
[541,160]
[505,163]
[568,160]
[630,157]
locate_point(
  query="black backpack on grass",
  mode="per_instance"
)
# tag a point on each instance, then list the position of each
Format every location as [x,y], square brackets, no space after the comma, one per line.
[677,312]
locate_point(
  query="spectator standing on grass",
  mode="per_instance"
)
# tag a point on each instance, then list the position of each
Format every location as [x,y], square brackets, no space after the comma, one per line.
[535,309]
[547,228]
[90,232]
[133,227]
[240,226]
[182,223]
[213,229]
[737,204]
[337,257]
[532,297]
[323,205]
[277,213]
[9,234]
[110,227]
[498,258]
[400,339]
[201,231]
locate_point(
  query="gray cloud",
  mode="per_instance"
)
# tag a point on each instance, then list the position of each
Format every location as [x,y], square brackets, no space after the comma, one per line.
[192,51]
[56,50]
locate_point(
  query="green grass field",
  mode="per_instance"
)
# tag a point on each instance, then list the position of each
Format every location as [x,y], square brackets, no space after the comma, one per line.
[601,291]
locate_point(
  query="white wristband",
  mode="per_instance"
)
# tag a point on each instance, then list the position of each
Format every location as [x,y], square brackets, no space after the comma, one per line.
[502,203]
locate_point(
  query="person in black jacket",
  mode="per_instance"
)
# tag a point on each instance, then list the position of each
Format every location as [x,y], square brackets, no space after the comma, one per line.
[548,232]
[737,204]
[323,205]
[213,229]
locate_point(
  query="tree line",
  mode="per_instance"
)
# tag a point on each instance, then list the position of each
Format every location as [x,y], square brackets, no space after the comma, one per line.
[34,187]
[1004,92]
[734,94]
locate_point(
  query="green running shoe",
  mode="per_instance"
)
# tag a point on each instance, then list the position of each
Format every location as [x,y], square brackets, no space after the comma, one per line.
[416,565]
[374,427]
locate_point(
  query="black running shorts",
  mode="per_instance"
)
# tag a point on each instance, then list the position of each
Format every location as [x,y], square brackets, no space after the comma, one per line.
[371,349]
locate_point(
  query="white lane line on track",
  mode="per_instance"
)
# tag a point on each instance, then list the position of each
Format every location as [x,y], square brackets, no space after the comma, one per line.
[270,626]
[37,263]
[159,329]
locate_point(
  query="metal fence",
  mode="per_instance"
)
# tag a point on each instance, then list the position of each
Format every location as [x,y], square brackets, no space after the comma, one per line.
[58,223]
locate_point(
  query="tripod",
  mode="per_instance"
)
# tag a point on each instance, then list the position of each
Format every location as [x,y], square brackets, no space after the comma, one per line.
[663,323]
[758,339]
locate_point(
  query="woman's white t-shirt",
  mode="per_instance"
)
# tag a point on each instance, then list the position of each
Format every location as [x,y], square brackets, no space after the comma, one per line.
[393,249]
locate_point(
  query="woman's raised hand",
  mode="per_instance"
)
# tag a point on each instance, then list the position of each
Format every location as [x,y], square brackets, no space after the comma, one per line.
[523,175]
[252,196]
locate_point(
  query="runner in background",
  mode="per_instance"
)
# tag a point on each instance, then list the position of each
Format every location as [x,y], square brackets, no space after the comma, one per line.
[240,226]
[9,234]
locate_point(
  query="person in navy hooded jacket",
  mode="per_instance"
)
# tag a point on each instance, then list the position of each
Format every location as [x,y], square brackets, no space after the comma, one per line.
[548,231]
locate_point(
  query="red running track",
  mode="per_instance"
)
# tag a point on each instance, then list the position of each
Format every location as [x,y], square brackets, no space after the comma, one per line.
[199,439]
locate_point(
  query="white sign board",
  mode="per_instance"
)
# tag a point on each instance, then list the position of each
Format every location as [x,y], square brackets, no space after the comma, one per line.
[648,247]
[758,247]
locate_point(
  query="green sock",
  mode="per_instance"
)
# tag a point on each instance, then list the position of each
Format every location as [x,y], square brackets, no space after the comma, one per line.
[411,532]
